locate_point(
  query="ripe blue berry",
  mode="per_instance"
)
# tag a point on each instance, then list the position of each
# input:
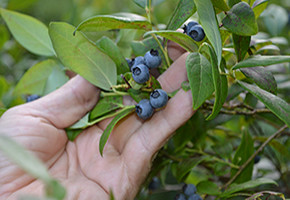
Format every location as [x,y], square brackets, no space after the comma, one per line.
[180,197]
[154,184]
[140,73]
[196,33]
[32,97]
[189,26]
[152,59]
[158,98]
[195,197]
[257,159]
[189,189]
[138,60]
[144,109]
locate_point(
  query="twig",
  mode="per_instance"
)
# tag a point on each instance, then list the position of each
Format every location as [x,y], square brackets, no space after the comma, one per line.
[254,155]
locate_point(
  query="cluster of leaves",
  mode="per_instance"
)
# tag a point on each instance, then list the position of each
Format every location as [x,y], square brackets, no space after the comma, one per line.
[235,94]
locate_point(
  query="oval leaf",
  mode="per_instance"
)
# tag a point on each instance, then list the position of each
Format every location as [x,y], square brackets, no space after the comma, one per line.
[263,78]
[241,45]
[255,61]
[241,20]
[209,23]
[220,84]
[103,140]
[184,10]
[183,40]
[117,21]
[42,78]
[112,50]
[208,187]
[243,153]
[29,32]
[247,185]
[274,103]
[259,6]
[200,78]
[81,56]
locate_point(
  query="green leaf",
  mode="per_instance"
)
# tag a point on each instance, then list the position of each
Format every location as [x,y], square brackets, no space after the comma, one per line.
[73,133]
[184,10]
[42,78]
[263,78]
[259,6]
[247,185]
[138,95]
[233,2]
[141,47]
[277,105]
[255,61]
[209,23]
[185,166]
[220,84]
[208,187]
[200,78]
[29,32]
[106,105]
[24,159]
[4,86]
[111,49]
[117,21]
[241,45]
[82,123]
[183,40]
[243,153]
[144,3]
[275,23]
[81,56]
[220,4]
[103,140]
[241,20]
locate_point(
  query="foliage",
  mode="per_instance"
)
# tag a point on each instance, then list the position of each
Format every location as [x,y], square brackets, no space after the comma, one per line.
[239,77]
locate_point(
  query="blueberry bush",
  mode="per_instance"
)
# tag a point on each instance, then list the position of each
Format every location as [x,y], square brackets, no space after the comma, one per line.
[236,146]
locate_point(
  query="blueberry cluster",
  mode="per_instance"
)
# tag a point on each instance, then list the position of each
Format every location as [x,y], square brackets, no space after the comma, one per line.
[32,97]
[145,108]
[188,193]
[140,65]
[194,30]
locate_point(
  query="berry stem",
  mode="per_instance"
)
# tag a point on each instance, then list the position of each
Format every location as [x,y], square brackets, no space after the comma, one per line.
[163,50]
[148,11]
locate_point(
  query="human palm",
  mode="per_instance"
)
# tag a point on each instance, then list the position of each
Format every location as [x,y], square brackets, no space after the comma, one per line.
[40,127]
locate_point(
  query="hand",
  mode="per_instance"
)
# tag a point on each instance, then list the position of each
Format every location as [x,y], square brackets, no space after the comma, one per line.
[40,126]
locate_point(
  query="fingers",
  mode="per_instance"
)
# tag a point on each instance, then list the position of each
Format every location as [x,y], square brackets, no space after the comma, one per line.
[171,79]
[66,105]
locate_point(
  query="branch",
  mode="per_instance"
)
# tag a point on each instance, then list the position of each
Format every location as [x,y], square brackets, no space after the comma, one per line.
[254,155]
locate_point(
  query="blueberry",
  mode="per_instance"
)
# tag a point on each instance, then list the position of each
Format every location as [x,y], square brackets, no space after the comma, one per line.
[130,62]
[152,59]
[189,189]
[158,98]
[154,184]
[189,25]
[257,159]
[140,73]
[194,197]
[138,60]
[196,33]
[180,197]
[144,109]
[32,97]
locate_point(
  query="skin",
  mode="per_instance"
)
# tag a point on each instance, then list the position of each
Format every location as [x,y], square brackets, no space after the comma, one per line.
[40,126]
